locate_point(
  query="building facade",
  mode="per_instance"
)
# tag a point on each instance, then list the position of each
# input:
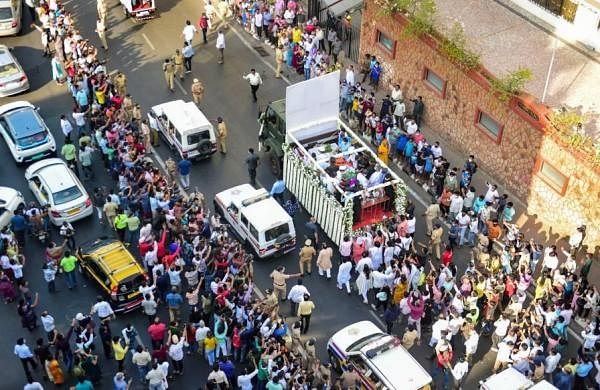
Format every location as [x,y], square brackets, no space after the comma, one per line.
[560,188]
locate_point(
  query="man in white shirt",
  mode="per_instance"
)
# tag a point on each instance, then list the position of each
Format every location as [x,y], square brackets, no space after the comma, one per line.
[492,193]
[436,330]
[366,260]
[436,150]
[471,344]
[551,363]
[459,372]
[350,78]
[411,127]
[220,45]
[550,258]
[502,324]
[254,80]
[503,355]
[258,23]
[244,381]
[296,295]
[103,309]
[65,126]
[188,32]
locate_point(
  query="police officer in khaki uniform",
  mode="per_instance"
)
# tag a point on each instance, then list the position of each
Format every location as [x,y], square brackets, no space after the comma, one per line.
[120,82]
[435,241]
[278,60]
[102,9]
[197,91]
[169,71]
[280,282]
[306,256]
[221,136]
[178,61]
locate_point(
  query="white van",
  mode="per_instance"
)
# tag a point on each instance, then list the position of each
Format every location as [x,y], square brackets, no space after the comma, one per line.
[513,379]
[257,219]
[379,358]
[185,129]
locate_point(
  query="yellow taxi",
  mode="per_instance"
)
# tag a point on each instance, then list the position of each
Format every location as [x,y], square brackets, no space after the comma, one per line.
[113,268]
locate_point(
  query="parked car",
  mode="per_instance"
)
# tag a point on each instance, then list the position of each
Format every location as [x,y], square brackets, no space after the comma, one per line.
[10,200]
[113,269]
[13,79]
[55,185]
[10,17]
[25,132]
[139,10]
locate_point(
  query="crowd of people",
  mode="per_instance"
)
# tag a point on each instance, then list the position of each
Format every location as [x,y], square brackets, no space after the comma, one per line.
[200,297]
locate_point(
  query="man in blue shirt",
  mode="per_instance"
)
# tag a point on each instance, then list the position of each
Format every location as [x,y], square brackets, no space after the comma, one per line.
[82,99]
[18,225]
[184,166]
[584,366]
[563,379]
[174,301]
[278,189]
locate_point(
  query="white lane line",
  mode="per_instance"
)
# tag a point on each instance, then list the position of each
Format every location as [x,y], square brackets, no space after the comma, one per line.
[180,86]
[113,72]
[267,63]
[148,41]
[376,317]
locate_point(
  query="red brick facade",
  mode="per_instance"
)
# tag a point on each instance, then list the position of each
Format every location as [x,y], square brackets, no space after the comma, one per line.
[508,139]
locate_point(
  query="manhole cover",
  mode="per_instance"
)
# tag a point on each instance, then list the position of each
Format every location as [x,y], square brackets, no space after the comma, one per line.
[261,51]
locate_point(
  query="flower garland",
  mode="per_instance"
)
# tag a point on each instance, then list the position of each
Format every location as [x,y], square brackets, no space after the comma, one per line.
[401,198]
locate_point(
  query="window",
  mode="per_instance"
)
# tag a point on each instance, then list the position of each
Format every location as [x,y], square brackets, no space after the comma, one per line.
[552,176]
[194,139]
[386,43]
[274,233]
[565,9]
[489,125]
[434,81]
[253,232]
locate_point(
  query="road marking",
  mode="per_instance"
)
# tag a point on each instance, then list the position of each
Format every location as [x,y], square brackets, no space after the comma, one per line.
[249,46]
[114,71]
[148,41]
[180,86]
[376,317]
[259,293]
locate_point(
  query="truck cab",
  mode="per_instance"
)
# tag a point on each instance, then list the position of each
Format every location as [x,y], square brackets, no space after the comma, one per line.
[185,129]
[379,358]
[257,219]
[271,133]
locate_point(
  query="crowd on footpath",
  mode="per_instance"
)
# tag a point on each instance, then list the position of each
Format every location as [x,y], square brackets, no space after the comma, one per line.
[199,299]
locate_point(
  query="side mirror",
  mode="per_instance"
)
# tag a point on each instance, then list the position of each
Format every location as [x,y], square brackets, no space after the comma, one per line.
[37,108]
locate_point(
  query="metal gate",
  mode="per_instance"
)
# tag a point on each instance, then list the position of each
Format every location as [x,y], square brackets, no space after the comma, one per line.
[305,185]
[348,34]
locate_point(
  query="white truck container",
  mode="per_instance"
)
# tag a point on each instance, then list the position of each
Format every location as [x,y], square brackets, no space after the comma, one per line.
[340,206]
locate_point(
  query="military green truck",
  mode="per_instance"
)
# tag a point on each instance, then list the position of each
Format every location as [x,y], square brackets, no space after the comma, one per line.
[324,163]
[271,134]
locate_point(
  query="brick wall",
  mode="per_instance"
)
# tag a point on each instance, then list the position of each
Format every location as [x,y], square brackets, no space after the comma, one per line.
[514,156]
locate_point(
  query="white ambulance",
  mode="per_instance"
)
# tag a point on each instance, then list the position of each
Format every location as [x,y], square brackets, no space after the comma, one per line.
[379,358]
[257,219]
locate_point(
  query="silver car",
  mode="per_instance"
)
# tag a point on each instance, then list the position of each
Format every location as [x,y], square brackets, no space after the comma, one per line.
[10,17]
[13,79]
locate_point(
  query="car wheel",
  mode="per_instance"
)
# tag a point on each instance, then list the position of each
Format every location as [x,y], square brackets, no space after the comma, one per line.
[204,148]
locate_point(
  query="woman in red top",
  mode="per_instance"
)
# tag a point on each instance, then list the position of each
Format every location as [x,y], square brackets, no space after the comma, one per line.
[510,287]
[447,255]
[358,247]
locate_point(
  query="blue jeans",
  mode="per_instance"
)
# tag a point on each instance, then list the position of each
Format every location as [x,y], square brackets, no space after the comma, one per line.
[463,231]
[133,236]
[445,373]
[142,371]
[210,356]
[70,279]
[471,238]
[306,73]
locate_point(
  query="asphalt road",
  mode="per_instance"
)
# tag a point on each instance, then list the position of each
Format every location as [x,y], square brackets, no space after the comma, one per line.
[139,50]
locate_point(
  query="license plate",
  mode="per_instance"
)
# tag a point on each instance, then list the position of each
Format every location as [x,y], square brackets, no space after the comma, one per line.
[73,211]
[132,295]
[143,13]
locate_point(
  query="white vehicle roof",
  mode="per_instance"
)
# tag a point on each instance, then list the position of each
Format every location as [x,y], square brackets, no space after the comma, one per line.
[184,116]
[263,214]
[507,379]
[7,194]
[387,360]
[54,172]
[543,385]
[11,106]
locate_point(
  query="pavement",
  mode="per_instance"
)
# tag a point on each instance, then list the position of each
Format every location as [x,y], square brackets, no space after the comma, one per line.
[139,50]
